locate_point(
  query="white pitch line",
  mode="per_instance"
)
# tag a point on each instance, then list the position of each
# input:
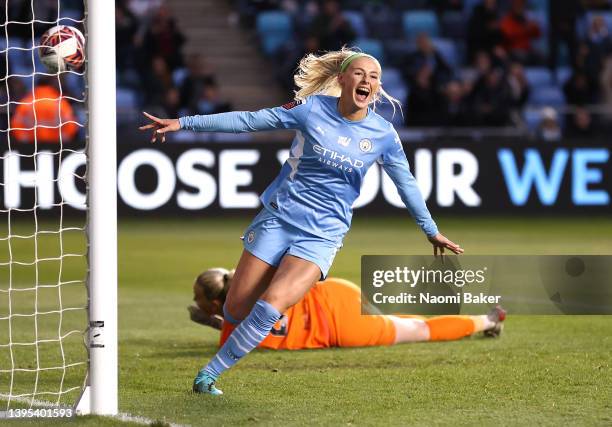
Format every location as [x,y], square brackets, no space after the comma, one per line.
[142,420]
[123,416]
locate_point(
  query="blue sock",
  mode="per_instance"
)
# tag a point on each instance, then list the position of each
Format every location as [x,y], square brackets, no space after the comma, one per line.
[244,338]
[228,317]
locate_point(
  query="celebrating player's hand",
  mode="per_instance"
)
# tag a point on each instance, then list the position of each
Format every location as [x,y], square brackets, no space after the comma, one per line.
[440,242]
[160,126]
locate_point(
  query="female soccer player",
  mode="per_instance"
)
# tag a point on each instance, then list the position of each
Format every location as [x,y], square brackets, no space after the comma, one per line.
[329,315]
[307,211]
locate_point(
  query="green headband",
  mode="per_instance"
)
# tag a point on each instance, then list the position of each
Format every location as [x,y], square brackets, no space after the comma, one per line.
[351,58]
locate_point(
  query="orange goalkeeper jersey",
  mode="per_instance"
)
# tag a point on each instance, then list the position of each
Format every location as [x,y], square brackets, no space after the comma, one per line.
[329,315]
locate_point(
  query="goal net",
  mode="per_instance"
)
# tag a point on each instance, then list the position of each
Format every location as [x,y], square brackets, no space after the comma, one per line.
[51,333]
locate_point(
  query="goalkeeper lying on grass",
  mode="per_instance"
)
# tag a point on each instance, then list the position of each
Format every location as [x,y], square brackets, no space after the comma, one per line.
[329,315]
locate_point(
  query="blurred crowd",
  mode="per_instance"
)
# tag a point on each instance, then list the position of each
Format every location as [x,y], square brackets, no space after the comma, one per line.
[36,107]
[153,74]
[152,70]
[542,64]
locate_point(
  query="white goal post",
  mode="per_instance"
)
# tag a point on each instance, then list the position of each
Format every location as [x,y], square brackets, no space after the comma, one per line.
[58,214]
[101,395]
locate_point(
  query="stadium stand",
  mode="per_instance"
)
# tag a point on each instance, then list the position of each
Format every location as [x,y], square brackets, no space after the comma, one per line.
[531,56]
[482,69]
[447,61]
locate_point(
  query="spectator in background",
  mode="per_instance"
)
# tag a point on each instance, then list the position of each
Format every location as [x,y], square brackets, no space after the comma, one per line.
[482,65]
[290,54]
[210,101]
[578,89]
[490,99]
[586,62]
[581,124]
[126,27]
[483,32]
[518,32]
[50,110]
[518,84]
[164,38]
[302,13]
[424,102]
[599,44]
[199,74]
[454,111]
[426,55]
[157,82]
[562,18]
[549,129]
[172,103]
[331,28]
[382,20]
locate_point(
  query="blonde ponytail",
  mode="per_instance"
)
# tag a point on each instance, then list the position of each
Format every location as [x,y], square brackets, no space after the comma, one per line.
[318,75]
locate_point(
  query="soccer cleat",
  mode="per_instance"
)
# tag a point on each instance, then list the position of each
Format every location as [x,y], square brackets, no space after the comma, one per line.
[497,315]
[204,383]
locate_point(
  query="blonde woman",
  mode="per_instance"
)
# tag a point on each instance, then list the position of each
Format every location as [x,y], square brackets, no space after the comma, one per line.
[292,242]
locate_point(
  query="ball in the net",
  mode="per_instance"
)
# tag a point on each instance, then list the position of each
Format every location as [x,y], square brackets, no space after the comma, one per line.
[62,48]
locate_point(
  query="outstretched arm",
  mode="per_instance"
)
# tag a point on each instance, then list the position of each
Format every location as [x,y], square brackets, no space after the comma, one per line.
[394,162]
[289,116]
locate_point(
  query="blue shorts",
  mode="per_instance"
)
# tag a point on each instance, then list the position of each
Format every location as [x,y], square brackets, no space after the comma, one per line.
[270,238]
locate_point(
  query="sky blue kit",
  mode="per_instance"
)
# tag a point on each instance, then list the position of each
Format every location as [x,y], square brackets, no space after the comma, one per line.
[308,207]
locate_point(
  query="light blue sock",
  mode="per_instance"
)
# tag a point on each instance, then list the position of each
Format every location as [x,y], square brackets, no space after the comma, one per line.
[244,338]
[228,317]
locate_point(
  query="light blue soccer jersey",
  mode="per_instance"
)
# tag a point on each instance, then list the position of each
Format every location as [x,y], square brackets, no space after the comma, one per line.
[328,160]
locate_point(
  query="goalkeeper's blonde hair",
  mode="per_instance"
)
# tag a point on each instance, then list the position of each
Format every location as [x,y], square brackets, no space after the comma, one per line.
[215,283]
[318,75]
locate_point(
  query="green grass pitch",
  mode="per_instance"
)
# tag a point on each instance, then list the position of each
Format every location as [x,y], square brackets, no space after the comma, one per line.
[543,370]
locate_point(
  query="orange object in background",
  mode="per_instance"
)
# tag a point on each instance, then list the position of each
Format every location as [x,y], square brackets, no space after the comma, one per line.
[46,102]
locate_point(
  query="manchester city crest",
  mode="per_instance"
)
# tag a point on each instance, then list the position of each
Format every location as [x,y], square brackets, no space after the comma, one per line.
[365,145]
[250,236]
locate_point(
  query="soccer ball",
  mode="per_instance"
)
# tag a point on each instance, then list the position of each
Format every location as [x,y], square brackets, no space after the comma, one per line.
[61,48]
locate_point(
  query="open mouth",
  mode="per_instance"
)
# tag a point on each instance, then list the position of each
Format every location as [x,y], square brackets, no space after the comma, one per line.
[362,94]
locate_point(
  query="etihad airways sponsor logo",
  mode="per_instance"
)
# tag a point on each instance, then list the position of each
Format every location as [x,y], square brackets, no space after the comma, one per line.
[336,159]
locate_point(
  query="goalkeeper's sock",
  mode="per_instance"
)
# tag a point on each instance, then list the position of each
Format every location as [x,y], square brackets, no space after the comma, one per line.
[446,328]
[245,338]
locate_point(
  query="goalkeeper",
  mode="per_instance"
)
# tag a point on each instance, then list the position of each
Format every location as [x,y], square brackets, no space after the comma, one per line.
[329,315]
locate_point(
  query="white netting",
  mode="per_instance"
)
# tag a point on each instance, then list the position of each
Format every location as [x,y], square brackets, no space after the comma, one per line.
[43,245]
